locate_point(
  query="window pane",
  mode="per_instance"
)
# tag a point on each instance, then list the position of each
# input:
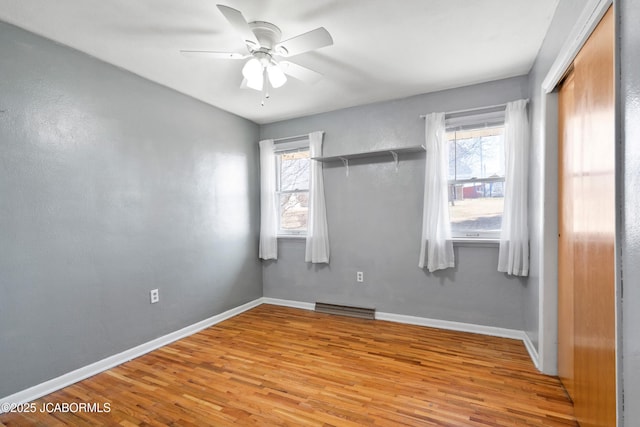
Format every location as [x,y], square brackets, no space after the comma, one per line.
[476,213]
[294,171]
[293,211]
[476,153]
[476,207]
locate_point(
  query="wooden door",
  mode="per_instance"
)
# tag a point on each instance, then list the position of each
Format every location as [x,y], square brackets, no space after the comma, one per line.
[586,297]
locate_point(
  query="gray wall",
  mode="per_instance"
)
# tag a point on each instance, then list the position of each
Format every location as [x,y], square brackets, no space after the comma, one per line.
[543,194]
[111,185]
[375,216]
[627,17]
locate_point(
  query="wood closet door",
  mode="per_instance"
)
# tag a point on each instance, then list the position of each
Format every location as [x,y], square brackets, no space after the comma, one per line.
[586,292]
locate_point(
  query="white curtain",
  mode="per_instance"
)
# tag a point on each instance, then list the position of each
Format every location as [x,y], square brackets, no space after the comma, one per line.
[514,236]
[317,250]
[268,207]
[436,252]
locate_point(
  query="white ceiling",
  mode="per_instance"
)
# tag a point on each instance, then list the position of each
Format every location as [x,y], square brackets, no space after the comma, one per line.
[382,49]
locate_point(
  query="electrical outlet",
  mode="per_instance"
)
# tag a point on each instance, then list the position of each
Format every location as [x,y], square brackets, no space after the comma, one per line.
[155,296]
[360,276]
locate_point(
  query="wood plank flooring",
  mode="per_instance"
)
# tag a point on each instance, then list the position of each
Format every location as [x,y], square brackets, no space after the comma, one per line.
[282,366]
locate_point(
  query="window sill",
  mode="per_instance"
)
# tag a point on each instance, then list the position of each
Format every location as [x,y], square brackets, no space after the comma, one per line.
[476,243]
[292,236]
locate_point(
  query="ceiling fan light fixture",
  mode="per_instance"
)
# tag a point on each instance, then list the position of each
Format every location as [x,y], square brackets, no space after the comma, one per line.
[255,83]
[252,70]
[276,77]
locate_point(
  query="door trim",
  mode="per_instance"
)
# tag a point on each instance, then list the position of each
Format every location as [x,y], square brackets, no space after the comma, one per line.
[591,15]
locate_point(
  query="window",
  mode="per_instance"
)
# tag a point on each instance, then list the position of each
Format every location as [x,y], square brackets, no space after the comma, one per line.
[476,181]
[292,187]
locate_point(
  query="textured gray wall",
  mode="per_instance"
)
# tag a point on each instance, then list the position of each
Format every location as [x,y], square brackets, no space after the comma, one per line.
[543,184]
[375,216]
[628,16]
[111,185]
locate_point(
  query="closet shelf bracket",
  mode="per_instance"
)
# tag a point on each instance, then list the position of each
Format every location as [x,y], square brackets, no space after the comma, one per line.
[394,154]
[345,162]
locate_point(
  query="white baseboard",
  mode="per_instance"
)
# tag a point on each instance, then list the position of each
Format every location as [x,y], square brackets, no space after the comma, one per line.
[289,303]
[533,353]
[452,326]
[80,374]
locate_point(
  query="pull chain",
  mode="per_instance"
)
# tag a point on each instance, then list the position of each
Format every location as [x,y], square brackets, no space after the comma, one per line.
[265,87]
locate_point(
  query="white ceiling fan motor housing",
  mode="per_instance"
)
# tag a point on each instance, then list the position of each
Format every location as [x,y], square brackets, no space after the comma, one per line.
[267,34]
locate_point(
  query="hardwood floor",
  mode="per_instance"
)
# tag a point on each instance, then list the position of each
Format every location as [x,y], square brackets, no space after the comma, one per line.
[282,366]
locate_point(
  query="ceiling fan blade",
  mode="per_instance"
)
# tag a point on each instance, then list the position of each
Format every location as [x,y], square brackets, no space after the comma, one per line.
[237,21]
[212,54]
[299,72]
[314,39]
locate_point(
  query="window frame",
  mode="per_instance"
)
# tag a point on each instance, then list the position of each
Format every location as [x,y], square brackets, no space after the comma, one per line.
[280,149]
[490,118]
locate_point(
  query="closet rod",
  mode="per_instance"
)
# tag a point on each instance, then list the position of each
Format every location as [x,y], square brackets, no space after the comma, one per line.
[470,110]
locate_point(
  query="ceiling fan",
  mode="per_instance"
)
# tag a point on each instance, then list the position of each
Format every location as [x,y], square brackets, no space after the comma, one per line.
[265,69]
